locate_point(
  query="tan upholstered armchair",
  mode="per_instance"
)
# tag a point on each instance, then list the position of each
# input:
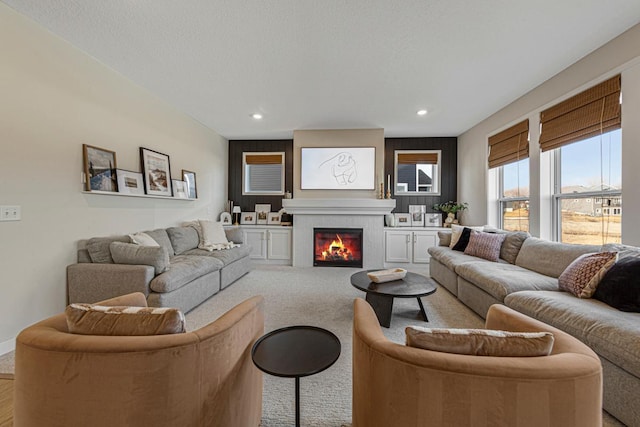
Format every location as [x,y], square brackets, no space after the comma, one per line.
[199,378]
[396,385]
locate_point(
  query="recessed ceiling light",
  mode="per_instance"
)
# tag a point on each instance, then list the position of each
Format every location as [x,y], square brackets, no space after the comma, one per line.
[256,116]
[422,112]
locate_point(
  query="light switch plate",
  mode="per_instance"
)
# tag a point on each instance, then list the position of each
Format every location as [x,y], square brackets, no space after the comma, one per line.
[10,213]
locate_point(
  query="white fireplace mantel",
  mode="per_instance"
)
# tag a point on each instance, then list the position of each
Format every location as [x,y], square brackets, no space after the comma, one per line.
[338,206]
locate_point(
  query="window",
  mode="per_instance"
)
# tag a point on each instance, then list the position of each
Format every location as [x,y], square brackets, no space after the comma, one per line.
[417,172]
[263,173]
[588,190]
[514,195]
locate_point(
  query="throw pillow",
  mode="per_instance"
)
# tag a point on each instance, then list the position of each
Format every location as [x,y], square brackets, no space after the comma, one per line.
[212,233]
[129,253]
[445,238]
[582,276]
[620,286]
[87,319]
[463,241]
[512,244]
[98,248]
[481,342]
[485,245]
[456,232]
[142,239]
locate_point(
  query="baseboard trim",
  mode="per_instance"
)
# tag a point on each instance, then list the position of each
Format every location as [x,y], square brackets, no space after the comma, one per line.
[8,346]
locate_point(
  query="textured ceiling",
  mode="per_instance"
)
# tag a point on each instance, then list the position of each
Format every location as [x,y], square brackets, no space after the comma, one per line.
[333,64]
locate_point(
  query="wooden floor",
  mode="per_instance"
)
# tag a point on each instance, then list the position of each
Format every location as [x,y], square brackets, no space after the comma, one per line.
[6,403]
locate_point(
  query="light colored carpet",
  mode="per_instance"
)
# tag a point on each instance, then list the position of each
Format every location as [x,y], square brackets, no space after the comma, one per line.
[319,297]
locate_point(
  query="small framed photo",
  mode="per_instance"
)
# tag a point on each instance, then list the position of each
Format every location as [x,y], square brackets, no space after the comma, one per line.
[129,182]
[156,172]
[99,169]
[433,220]
[262,213]
[417,215]
[248,218]
[403,219]
[274,218]
[179,189]
[190,178]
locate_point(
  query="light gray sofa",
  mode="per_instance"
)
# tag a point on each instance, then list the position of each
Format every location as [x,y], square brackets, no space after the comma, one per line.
[526,279]
[193,274]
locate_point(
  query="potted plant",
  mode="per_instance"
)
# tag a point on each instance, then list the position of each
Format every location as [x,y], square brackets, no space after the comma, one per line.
[450,208]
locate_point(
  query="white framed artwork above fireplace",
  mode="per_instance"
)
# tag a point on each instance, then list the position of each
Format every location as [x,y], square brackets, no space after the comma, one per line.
[367,214]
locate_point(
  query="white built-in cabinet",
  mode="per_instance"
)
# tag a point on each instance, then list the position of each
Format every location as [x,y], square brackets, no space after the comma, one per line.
[408,245]
[269,244]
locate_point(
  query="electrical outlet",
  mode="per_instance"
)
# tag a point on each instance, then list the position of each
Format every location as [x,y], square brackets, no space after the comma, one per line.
[10,213]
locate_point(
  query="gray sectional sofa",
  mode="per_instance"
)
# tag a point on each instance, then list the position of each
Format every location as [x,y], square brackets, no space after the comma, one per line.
[192,276]
[526,279]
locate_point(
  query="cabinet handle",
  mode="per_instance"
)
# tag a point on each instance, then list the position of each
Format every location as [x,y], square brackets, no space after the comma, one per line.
[408,238]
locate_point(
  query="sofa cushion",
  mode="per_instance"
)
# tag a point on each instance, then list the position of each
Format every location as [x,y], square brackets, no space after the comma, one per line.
[226,256]
[624,251]
[485,245]
[512,245]
[550,258]
[160,235]
[463,240]
[88,319]
[481,342]
[501,279]
[98,248]
[456,232]
[132,254]
[183,270]
[582,276]
[444,238]
[451,258]
[183,239]
[611,333]
[620,286]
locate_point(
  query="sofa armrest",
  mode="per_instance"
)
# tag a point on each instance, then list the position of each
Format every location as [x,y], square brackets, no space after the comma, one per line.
[91,283]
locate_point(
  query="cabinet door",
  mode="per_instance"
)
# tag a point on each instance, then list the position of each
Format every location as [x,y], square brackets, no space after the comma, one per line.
[279,244]
[257,239]
[397,246]
[423,240]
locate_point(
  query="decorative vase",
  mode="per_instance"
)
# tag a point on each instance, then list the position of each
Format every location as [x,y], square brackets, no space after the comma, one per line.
[450,218]
[390,220]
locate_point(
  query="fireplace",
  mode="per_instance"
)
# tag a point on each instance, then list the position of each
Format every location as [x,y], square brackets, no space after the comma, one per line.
[337,247]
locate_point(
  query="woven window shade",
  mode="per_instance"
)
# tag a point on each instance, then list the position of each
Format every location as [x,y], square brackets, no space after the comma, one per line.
[263,159]
[592,112]
[418,158]
[510,145]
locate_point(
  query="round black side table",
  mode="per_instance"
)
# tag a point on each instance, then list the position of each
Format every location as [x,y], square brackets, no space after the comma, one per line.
[295,352]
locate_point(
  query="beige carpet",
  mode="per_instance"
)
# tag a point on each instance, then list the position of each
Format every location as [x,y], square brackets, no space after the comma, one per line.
[320,297]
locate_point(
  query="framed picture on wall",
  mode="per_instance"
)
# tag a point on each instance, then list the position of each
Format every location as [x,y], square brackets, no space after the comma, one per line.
[248,218]
[417,215]
[99,169]
[190,178]
[433,220]
[179,189]
[339,168]
[403,220]
[129,182]
[262,213]
[273,218]
[156,172]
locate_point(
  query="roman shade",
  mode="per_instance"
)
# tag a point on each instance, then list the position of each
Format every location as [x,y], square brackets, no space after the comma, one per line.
[263,159]
[592,112]
[418,158]
[510,145]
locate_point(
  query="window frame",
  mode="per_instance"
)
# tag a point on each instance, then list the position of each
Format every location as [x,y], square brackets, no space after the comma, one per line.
[436,180]
[246,192]
[504,200]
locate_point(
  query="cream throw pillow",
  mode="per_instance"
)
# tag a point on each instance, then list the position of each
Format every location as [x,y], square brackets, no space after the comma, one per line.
[143,239]
[88,319]
[481,342]
[456,232]
[212,233]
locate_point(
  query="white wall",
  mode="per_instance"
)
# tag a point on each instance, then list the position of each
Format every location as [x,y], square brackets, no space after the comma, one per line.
[54,98]
[622,54]
[337,138]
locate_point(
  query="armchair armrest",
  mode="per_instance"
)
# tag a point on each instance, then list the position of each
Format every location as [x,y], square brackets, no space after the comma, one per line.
[91,283]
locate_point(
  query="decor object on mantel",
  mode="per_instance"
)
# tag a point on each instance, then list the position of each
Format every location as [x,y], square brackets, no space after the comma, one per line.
[451,208]
[236,215]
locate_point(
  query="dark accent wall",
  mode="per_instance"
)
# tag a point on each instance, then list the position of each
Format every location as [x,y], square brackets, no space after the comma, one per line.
[448,165]
[236,148]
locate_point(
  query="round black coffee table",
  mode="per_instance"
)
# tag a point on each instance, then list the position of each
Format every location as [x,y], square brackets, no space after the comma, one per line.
[381,295]
[296,351]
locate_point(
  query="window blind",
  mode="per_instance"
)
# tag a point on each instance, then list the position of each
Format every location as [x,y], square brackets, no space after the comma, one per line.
[263,159]
[510,145]
[592,112]
[264,178]
[418,158]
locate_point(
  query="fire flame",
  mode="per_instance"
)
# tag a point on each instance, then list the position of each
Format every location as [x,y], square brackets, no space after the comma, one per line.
[337,249]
